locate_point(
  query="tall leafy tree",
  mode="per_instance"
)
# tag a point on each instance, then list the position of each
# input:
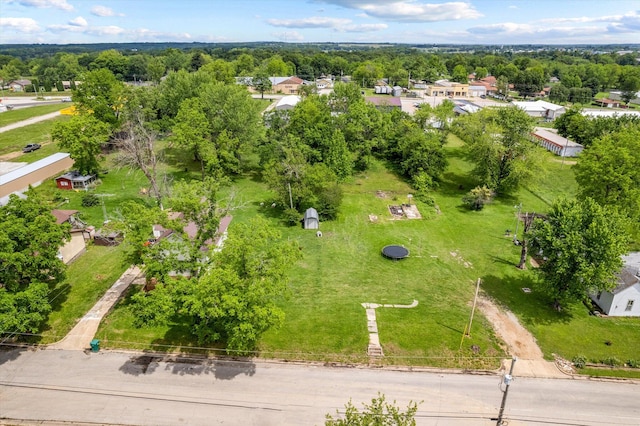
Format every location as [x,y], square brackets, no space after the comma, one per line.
[100,95]
[191,131]
[29,265]
[82,136]
[609,172]
[498,141]
[235,300]
[582,244]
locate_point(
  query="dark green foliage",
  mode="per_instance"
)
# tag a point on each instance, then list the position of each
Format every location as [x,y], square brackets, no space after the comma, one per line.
[478,197]
[90,199]
[609,172]
[559,93]
[579,361]
[29,243]
[378,413]
[581,243]
[234,301]
[498,142]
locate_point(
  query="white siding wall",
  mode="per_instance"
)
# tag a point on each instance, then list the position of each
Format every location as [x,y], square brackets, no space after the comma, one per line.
[620,301]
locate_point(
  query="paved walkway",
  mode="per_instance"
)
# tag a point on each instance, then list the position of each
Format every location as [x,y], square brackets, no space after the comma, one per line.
[80,336]
[29,121]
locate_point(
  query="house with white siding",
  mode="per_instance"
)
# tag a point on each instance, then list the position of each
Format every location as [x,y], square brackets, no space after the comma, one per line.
[555,143]
[624,300]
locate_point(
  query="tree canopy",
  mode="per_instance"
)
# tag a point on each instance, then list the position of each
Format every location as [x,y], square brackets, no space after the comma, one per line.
[29,242]
[581,244]
[498,141]
[609,172]
[234,300]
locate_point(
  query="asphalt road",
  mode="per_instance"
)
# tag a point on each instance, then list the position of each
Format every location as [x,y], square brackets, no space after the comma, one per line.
[120,388]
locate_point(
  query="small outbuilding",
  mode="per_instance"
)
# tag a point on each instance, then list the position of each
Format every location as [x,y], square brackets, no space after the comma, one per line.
[74,180]
[311,219]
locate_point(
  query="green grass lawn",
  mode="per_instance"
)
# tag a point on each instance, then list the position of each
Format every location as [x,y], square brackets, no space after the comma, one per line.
[13,116]
[449,251]
[40,132]
[88,277]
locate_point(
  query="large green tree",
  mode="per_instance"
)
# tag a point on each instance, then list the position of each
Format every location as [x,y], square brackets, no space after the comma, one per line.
[82,136]
[581,244]
[29,263]
[100,95]
[609,172]
[235,300]
[498,141]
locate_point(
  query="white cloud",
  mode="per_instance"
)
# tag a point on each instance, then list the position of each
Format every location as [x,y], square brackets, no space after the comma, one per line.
[41,4]
[122,34]
[362,28]
[104,11]
[337,24]
[411,10]
[513,6]
[78,22]
[313,22]
[288,36]
[25,25]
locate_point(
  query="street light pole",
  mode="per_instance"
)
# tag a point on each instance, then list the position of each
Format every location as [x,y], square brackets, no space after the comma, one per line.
[507,381]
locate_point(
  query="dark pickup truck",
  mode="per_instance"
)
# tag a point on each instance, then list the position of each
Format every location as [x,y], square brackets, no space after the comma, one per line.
[31,147]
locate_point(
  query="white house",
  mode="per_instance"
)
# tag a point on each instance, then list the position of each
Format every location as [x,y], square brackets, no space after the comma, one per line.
[541,109]
[624,300]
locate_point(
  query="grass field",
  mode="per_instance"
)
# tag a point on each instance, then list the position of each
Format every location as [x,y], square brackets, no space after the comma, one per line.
[40,132]
[87,280]
[16,115]
[344,268]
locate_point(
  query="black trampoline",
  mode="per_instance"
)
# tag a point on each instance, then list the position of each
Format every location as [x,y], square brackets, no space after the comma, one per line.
[395,252]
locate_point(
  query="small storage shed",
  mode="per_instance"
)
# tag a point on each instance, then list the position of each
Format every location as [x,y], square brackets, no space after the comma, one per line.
[74,180]
[311,219]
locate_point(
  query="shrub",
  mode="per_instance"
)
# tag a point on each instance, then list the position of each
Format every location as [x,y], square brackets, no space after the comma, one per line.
[89,199]
[291,217]
[612,361]
[478,197]
[632,363]
[579,361]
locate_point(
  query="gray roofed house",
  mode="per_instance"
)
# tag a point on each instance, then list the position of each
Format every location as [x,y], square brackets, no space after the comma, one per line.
[624,299]
[555,143]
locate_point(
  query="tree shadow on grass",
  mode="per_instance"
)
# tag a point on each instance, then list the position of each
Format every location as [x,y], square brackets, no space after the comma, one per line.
[532,308]
[58,294]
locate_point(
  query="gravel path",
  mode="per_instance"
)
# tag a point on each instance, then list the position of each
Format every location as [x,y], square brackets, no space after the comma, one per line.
[28,121]
[520,343]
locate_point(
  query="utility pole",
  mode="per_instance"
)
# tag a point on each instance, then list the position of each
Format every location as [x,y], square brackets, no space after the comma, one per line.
[475,299]
[507,381]
[519,207]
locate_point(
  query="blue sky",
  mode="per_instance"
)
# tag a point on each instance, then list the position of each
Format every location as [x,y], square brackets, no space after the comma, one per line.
[403,21]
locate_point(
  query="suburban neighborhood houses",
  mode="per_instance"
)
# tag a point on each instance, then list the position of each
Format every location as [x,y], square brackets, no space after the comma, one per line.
[280,232]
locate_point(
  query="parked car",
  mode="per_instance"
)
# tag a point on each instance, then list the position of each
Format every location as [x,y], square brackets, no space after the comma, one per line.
[66,99]
[31,147]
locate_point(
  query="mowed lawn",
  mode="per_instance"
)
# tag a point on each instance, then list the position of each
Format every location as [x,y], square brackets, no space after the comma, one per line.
[88,278]
[40,132]
[16,115]
[450,248]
